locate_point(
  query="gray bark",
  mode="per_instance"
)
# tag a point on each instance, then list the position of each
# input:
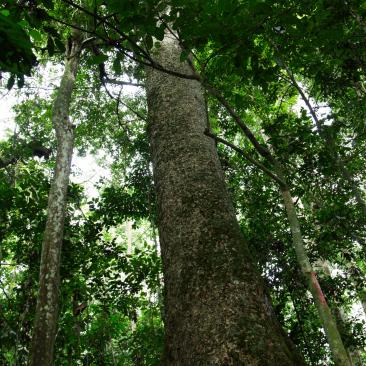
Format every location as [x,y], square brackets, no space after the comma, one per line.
[217,311]
[47,309]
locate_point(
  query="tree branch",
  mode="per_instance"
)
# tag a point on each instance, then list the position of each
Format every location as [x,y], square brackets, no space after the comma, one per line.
[151,62]
[121,82]
[249,158]
[247,132]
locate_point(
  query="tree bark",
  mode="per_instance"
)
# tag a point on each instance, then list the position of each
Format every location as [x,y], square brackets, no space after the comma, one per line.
[46,316]
[217,311]
[327,321]
[362,296]
[337,348]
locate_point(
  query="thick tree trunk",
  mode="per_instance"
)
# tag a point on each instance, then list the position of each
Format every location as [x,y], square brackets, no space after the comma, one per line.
[46,317]
[216,309]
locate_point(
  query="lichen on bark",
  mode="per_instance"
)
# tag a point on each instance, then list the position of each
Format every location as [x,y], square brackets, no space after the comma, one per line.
[45,325]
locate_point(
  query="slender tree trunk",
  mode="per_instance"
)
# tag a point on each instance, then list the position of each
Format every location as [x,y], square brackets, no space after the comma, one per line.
[337,348]
[129,237]
[46,317]
[353,353]
[362,296]
[216,309]
[333,153]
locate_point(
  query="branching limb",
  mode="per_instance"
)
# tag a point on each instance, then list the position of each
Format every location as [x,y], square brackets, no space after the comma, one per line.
[121,82]
[263,151]
[248,157]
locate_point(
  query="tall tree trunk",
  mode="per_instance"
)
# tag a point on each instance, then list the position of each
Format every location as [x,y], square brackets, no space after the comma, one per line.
[362,296]
[331,147]
[46,316]
[216,309]
[353,353]
[337,348]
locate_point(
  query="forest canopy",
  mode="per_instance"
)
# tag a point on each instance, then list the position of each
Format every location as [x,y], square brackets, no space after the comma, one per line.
[225,223]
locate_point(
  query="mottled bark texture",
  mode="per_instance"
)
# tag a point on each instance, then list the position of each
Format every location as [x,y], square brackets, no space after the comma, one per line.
[46,317]
[216,309]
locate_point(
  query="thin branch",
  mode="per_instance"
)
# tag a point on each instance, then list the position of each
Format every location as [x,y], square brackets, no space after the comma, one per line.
[248,157]
[88,40]
[94,15]
[5,163]
[121,82]
[248,133]
[72,26]
[36,150]
[152,63]
[301,92]
[124,126]
[3,290]
[119,101]
[138,114]
[213,55]
[262,150]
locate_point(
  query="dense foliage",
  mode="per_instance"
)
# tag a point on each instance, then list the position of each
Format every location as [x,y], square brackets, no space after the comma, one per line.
[294,71]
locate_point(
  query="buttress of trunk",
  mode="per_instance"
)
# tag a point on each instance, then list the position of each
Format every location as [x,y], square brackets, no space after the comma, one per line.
[216,309]
[45,325]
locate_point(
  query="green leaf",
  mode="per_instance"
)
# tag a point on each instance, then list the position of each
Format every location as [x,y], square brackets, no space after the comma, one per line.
[20,81]
[52,31]
[48,4]
[5,12]
[50,46]
[36,35]
[10,83]
[224,5]
[59,44]
[117,66]
[149,42]
[159,32]
[97,59]
[184,55]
